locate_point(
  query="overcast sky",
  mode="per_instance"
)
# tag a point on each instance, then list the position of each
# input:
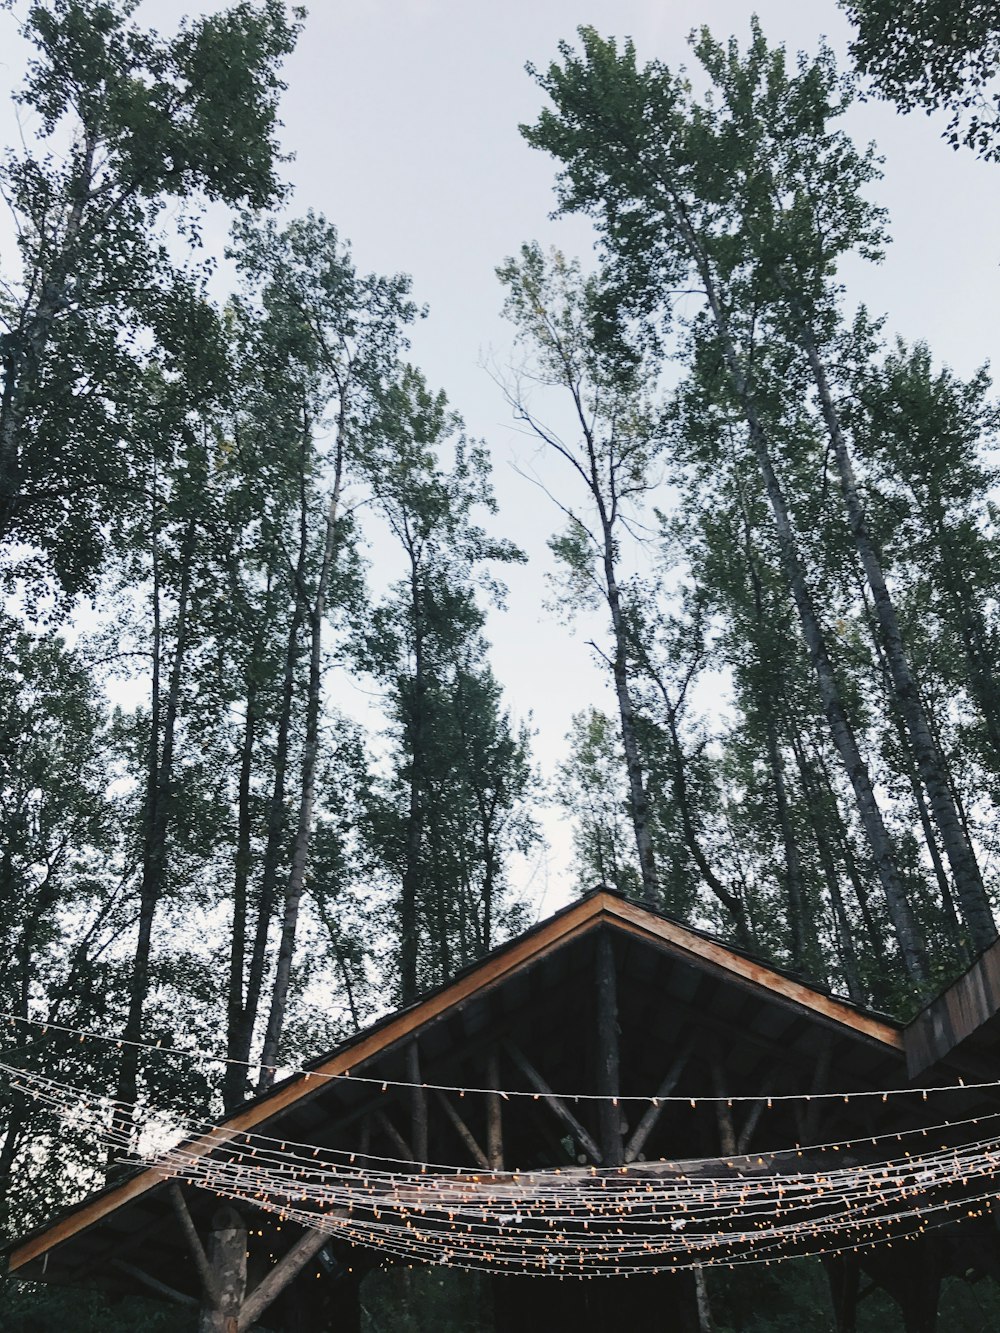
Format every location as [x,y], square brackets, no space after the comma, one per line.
[402,117]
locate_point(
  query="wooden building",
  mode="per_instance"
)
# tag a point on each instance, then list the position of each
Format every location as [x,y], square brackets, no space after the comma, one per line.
[605,997]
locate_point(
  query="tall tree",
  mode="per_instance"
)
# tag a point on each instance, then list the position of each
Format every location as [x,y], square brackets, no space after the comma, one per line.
[643,162]
[328,338]
[147,120]
[579,343]
[796,185]
[425,646]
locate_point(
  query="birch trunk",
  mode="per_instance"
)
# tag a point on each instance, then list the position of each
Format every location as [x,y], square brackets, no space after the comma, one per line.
[848,950]
[638,799]
[240,1035]
[303,832]
[409,888]
[157,814]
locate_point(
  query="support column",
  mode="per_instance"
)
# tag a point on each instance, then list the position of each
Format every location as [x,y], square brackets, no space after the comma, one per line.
[227,1258]
[226,1304]
[610,1112]
[418,1104]
[910,1271]
[494,1116]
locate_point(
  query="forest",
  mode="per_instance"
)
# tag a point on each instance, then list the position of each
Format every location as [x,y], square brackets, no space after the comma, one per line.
[226,490]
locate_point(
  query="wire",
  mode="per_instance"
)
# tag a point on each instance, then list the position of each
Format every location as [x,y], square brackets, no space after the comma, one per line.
[650,1099]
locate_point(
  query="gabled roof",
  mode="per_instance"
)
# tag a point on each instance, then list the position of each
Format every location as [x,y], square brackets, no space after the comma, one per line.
[694,952]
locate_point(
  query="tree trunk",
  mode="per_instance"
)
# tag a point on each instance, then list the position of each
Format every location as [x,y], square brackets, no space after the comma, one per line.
[409,889]
[158,810]
[240,1035]
[805,959]
[234,1080]
[638,800]
[310,757]
[848,950]
[27,344]
[930,840]
[958,849]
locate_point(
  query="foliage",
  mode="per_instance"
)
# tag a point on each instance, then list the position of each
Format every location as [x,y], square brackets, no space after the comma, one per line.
[933,54]
[143,120]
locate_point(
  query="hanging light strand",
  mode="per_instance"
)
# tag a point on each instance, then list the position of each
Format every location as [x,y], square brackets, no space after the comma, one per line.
[386,1084]
[585,1222]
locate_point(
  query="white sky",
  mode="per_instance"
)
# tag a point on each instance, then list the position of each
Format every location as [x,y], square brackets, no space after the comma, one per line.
[402,117]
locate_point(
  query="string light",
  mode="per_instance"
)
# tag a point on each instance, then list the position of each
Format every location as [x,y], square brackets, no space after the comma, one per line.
[647,1099]
[585,1222]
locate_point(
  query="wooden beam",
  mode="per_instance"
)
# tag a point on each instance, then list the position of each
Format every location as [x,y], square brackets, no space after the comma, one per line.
[556,1103]
[203,1267]
[807,1113]
[653,1112]
[723,1110]
[418,1103]
[608,1085]
[753,1117]
[285,1271]
[494,1112]
[154,1283]
[463,1131]
[402,1147]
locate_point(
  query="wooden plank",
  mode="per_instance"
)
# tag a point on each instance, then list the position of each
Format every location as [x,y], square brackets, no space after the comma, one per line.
[955,1014]
[463,1131]
[493,972]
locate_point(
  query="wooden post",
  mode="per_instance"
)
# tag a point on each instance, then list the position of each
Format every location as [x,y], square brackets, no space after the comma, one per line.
[723,1111]
[274,1282]
[706,1324]
[418,1102]
[609,1110]
[494,1118]
[463,1131]
[227,1256]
